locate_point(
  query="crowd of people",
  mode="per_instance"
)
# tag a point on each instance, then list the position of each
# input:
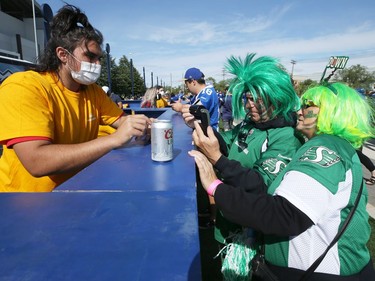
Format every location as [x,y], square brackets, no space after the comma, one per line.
[285,177]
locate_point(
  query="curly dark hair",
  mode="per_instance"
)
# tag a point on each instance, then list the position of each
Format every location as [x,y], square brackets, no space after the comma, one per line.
[69,28]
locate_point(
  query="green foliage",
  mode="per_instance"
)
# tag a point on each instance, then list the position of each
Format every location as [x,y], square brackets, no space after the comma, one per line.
[103,79]
[121,78]
[304,85]
[222,85]
[356,76]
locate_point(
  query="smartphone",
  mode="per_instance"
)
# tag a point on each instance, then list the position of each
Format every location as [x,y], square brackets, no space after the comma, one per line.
[201,114]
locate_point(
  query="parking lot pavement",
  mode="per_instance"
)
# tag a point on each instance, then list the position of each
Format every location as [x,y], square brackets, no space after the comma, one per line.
[369,151]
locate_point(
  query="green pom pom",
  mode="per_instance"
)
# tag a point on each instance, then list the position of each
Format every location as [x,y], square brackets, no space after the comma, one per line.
[239,253]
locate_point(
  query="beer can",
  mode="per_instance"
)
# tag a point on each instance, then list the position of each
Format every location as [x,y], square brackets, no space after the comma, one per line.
[161,140]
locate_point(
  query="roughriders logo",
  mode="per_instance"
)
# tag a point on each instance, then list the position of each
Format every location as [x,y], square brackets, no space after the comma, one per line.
[321,156]
[168,135]
[273,166]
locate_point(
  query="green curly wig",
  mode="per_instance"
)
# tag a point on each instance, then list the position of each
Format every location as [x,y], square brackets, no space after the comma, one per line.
[265,79]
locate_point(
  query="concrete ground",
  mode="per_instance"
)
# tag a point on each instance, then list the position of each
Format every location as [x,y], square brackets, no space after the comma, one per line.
[369,151]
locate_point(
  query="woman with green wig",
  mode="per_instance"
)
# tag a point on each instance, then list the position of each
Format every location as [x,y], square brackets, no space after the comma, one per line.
[264,143]
[303,209]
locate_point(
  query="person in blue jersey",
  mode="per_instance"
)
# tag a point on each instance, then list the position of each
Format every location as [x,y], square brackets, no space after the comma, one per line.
[302,210]
[205,95]
[202,94]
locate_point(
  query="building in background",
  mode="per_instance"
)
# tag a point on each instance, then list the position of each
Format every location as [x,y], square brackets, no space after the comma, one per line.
[24,31]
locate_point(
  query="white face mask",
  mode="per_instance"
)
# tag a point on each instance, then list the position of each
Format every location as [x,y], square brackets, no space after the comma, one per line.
[88,74]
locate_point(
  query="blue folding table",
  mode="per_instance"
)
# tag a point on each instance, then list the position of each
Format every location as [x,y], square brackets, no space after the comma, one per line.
[124,217]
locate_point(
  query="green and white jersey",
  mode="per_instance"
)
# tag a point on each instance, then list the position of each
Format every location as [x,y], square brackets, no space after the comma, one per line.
[267,151]
[323,181]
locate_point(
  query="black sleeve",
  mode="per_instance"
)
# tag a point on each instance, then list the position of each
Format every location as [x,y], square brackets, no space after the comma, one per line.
[237,175]
[263,212]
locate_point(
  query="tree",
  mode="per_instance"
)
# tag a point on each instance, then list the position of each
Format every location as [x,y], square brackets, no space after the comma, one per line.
[223,85]
[103,79]
[211,80]
[121,80]
[304,85]
[356,76]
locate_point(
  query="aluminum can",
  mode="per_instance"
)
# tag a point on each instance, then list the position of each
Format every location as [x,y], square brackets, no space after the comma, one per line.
[162,140]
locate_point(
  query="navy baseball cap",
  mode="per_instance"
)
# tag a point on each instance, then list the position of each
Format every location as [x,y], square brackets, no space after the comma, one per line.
[193,74]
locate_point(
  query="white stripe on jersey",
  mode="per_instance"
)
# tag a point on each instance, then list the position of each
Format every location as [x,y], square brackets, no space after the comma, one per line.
[323,208]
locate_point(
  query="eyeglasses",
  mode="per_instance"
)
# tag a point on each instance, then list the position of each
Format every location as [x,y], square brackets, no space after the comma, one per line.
[307,103]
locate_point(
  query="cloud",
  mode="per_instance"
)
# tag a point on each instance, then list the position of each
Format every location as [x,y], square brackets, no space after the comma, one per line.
[201,33]
[169,47]
[311,54]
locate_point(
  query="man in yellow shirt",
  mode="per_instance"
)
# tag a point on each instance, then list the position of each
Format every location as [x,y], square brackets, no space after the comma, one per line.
[50,116]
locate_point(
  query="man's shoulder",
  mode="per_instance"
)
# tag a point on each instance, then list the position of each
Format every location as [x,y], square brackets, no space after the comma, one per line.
[27,78]
[209,90]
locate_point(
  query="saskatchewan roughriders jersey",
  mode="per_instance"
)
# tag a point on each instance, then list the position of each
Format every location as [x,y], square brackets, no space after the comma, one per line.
[323,181]
[266,151]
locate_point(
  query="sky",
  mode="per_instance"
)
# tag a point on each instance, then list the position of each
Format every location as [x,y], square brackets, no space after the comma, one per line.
[168,37]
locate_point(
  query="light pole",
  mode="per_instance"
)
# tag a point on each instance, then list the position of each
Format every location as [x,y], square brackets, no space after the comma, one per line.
[293,62]
[131,76]
[144,77]
[108,50]
[35,36]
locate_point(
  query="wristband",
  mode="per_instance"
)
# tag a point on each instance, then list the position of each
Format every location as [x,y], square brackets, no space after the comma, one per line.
[212,187]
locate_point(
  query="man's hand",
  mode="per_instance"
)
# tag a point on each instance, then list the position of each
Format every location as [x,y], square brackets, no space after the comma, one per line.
[188,117]
[130,126]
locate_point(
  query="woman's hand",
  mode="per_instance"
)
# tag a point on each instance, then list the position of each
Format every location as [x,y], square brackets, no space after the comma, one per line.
[206,171]
[208,145]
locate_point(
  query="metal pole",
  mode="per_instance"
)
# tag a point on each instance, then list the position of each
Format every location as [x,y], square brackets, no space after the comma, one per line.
[131,76]
[152,79]
[144,77]
[35,36]
[108,50]
[293,62]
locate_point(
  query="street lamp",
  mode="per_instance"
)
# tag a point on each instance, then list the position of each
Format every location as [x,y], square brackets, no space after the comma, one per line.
[108,50]
[35,36]
[131,76]
[144,77]
[293,62]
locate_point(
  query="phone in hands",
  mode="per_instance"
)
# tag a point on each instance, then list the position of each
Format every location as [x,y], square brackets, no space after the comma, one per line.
[202,115]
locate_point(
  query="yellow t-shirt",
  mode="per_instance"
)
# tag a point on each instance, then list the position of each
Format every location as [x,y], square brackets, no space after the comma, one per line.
[37,105]
[161,103]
